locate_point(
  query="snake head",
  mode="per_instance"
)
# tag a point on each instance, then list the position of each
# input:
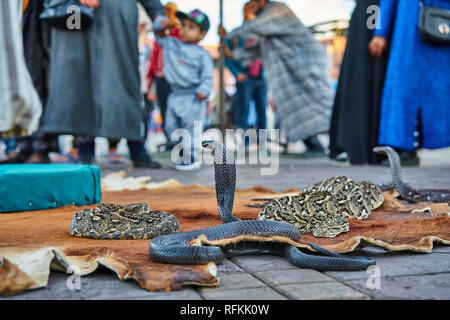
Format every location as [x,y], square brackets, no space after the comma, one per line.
[382,149]
[208,144]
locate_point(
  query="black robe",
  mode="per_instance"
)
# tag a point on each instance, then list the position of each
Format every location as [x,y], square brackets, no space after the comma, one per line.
[355,118]
[36,47]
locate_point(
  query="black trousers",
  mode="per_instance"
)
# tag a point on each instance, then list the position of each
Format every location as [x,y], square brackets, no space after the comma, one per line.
[36,43]
[86,149]
[163,90]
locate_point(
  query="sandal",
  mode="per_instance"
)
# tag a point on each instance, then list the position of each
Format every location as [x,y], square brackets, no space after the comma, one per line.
[115,158]
[65,158]
[38,158]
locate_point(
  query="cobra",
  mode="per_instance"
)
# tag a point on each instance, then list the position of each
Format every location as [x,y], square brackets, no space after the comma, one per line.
[406,191]
[237,237]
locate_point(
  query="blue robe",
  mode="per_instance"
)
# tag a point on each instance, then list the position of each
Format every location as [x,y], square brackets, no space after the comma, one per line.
[417,81]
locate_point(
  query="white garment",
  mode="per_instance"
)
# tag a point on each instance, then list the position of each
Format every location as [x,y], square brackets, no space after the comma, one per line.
[20,105]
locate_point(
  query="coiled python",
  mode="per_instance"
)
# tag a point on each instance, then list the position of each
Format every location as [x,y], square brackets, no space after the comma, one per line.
[406,191]
[131,221]
[243,237]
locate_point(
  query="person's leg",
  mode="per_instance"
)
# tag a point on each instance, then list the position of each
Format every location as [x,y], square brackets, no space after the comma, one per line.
[172,121]
[410,157]
[74,150]
[314,145]
[192,122]
[113,144]
[260,98]
[86,149]
[10,144]
[11,151]
[41,148]
[113,156]
[242,96]
[163,91]
[147,112]
[140,157]
[22,152]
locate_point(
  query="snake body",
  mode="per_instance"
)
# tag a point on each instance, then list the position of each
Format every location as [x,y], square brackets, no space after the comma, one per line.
[243,237]
[406,191]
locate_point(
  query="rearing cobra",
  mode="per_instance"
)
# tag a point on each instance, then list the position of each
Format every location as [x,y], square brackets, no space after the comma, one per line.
[243,237]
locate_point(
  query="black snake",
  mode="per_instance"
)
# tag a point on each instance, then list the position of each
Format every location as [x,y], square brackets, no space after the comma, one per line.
[406,191]
[243,237]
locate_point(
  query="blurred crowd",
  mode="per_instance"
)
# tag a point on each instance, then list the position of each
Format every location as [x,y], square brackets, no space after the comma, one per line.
[108,79]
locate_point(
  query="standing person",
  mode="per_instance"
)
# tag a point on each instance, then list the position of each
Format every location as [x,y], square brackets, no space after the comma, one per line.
[189,69]
[416,94]
[355,118]
[94,80]
[250,83]
[19,100]
[155,72]
[36,38]
[296,70]
[35,46]
[145,47]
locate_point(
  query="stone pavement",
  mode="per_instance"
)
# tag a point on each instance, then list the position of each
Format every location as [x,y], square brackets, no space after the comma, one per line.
[398,275]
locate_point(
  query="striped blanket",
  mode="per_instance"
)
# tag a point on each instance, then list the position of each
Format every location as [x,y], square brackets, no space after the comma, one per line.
[19,102]
[296,69]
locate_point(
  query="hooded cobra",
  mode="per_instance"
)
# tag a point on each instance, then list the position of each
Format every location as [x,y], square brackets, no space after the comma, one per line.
[243,237]
[406,191]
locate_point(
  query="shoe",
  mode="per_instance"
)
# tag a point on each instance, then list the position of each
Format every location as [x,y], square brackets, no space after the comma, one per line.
[66,158]
[407,159]
[86,160]
[146,162]
[115,158]
[188,167]
[38,158]
[167,146]
[313,144]
[342,157]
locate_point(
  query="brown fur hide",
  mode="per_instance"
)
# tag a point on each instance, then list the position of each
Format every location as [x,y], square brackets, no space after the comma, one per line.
[32,243]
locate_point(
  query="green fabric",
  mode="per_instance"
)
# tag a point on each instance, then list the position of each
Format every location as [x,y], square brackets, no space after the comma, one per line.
[25,187]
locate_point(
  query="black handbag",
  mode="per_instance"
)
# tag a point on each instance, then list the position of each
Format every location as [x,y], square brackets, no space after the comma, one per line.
[434,24]
[69,15]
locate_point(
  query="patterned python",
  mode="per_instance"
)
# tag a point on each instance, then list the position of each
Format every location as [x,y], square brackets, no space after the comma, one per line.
[407,192]
[112,221]
[311,212]
[322,208]
[243,237]
[360,197]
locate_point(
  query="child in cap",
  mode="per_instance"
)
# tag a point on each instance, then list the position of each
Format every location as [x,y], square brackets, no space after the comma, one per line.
[189,69]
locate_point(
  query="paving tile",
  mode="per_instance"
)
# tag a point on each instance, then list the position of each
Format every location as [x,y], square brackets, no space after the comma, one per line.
[291,276]
[320,291]
[393,264]
[101,284]
[441,248]
[227,266]
[262,263]
[187,293]
[263,293]
[419,287]
[236,281]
